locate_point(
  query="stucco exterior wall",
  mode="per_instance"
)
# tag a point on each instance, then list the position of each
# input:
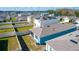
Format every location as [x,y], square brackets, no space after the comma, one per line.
[49,48]
[37,23]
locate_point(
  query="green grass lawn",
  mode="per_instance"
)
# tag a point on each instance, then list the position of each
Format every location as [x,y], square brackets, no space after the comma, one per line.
[14,19]
[6,30]
[24,28]
[25,23]
[31,43]
[12,43]
[3,38]
[5,24]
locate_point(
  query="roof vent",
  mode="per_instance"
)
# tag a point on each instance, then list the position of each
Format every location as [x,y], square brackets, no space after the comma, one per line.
[73,41]
[48,26]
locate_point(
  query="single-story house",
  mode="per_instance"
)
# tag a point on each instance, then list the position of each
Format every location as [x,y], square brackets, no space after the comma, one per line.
[64,19]
[43,34]
[76,21]
[68,42]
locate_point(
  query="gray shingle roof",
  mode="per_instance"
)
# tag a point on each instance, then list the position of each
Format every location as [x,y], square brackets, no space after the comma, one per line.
[52,29]
[64,43]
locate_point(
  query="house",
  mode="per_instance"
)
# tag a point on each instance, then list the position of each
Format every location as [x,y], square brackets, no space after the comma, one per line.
[22,18]
[44,21]
[13,14]
[43,34]
[68,42]
[30,19]
[2,18]
[77,22]
[51,15]
[19,15]
[64,19]
[8,17]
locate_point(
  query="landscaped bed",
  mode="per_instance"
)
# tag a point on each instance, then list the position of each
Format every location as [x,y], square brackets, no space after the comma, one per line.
[12,43]
[24,28]
[31,44]
[6,30]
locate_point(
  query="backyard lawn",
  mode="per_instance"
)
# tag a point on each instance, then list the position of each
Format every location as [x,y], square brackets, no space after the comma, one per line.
[18,24]
[6,30]
[3,38]
[5,24]
[12,44]
[31,44]
[24,28]
[14,19]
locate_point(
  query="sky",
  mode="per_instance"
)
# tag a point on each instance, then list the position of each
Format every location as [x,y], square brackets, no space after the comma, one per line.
[25,8]
[32,8]
[36,5]
[40,3]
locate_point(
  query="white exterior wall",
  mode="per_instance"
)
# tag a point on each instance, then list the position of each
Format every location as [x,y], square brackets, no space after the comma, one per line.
[37,40]
[77,24]
[44,23]
[29,19]
[65,20]
[77,21]
[48,48]
[37,23]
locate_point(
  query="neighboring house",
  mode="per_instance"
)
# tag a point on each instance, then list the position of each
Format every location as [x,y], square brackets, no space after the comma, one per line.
[22,18]
[13,14]
[19,15]
[30,19]
[2,18]
[7,16]
[64,19]
[77,22]
[44,21]
[43,34]
[68,42]
[51,15]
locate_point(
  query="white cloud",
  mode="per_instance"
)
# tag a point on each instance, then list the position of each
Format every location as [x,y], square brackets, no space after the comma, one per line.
[36,3]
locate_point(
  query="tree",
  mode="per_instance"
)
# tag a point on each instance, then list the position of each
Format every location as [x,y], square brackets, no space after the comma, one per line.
[66,12]
[51,11]
[77,13]
[61,19]
[4,21]
[70,21]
